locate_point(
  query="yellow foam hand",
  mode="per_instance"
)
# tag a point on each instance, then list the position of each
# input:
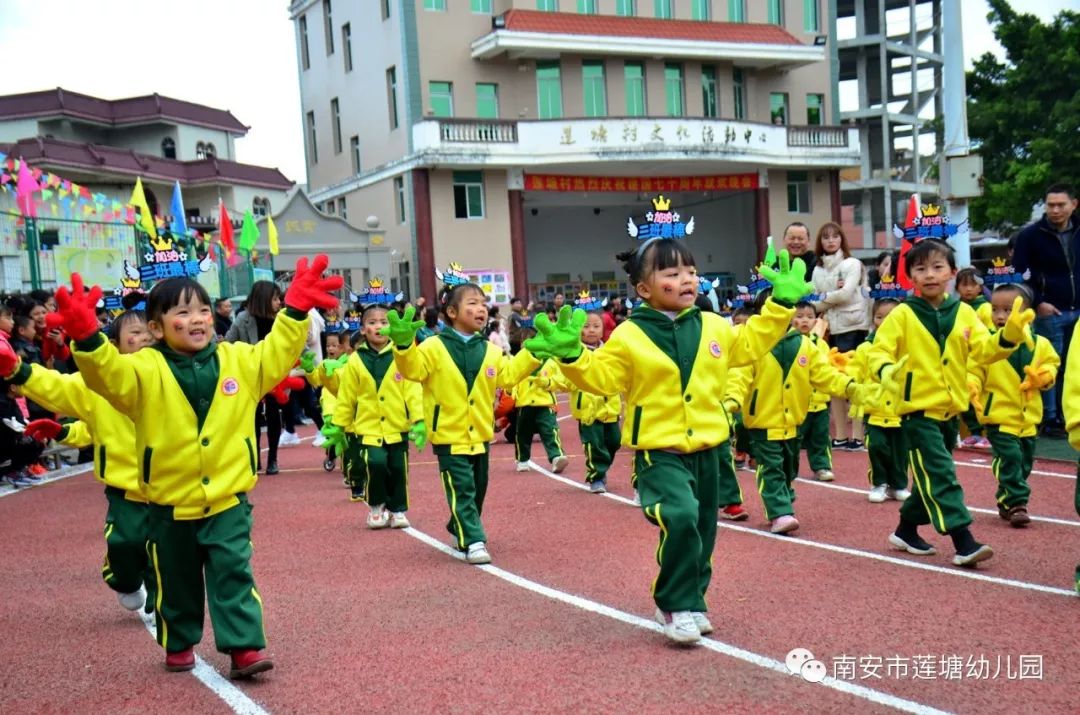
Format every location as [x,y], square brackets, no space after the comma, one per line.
[1016,329]
[975,395]
[840,360]
[863,395]
[892,378]
[1037,378]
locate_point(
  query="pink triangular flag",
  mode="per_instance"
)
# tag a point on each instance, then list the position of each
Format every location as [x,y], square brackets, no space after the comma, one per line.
[24,196]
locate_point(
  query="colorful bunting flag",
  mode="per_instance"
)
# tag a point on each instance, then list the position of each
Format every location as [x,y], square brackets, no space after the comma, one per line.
[225,231]
[25,188]
[179,222]
[271,235]
[138,200]
[249,234]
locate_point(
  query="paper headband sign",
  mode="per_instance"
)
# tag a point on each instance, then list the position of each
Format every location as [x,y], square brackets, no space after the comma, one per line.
[661,222]
[167,259]
[1001,273]
[130,282]
[376,294]
[705,285]
[353,321]
[888,289]
[743,298]
[929,222]
[587,302]
[334,324]
[453,276]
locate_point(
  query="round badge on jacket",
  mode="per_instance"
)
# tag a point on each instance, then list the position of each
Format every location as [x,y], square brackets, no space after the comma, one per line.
[803,361]
[714,349]
[230,386]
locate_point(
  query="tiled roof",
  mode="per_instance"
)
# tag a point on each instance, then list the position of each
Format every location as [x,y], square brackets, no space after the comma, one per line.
[565,23]
[117,112]
[98,158]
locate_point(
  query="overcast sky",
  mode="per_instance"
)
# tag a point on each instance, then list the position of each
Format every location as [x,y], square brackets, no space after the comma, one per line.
[238,55]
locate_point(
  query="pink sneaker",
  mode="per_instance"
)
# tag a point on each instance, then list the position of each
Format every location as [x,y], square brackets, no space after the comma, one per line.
[970,442]
[983,443]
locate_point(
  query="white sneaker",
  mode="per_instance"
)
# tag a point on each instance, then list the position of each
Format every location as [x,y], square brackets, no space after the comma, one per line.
[878,494]
[378,518]
[702,623]
[824,475]
[897,494]
[637,498]
[398,520]
[320,440]
[784,524]
[133,601]
[522,467]
[560,463]
[478,554]
[680,626]
[288,439]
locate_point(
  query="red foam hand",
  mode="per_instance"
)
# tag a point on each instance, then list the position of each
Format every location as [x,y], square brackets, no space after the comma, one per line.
[50,347]
[9,360]
[43,430]
[78,309]
[309,289]
[281,392]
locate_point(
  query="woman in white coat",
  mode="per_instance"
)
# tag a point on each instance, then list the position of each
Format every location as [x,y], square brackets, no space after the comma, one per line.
[839,282]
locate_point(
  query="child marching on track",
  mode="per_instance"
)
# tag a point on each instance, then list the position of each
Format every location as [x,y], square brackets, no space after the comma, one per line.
[814,432]
[670,361]
[1070,401]
[325,376]
[534,400]
[920,354]
[969,288]
[383,412]
[192,400]
[597,415]
[1006,396]
[112,434]
[459,371]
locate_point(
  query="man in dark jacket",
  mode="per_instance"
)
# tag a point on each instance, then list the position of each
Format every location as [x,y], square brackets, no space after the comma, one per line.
[222,316]
[797,242]
[1048,250]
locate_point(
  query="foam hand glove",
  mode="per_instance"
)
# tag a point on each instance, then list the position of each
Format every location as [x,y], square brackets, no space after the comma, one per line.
[856,412]
[418,435]
[561,339]
[335,437]
[1016,327]
[309,289]
[307,361]
[402,331]
[770,252]
[840,360]
[975,395]
[78,309]
[43,430]
[789,285]
[891,376]
[281,391]
[863,395]
[9,359]
[334,364]
[1037,378]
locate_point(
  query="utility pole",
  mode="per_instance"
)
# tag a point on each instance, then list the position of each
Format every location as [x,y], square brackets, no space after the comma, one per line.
[960,172]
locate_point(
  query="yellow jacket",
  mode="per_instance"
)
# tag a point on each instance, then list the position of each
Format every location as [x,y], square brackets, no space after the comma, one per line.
[673,372]
[588,408]
[329,385]
[539,388]
[459,378]
[773,393]
[1004,404]
[939,343]
[1070,392]
[196,469]
[881,414]
[77,434]
[819,400]
[111,432]
[374,401]
[984,310]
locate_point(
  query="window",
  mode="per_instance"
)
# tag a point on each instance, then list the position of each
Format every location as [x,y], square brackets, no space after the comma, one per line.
[341,210]
[313,150]
[441,96]
[331,208]
[778,108]
[776,12]
[673,90]
[634,77]
[815,104]
[346,45]
[200,151]
[328,27]
[710,107]
[739,85]
[354,150]
[798,192]
[663,9]
[487,100]
[385,9]
[391,96]
[811,22]
[586,7]
[210,151]
[468,194]
[483,6]
[168,148]
[592,80]
[260,206]
[335,117]
[438,5]
[547,5]
[736,11]
[305,58]
[399,198]
[700,10]
[625,8]
[548,90]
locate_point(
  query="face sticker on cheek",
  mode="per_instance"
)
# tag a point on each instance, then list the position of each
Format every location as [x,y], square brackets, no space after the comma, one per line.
[178,325]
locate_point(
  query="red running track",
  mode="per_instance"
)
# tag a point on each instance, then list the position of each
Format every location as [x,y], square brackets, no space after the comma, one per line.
[359,619]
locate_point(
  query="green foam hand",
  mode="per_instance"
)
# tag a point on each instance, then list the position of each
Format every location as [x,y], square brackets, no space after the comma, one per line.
[307,361]
[770,252]
[418,435]
[402,331]
[561,340]
[335,437]
[789,284]
[334,364]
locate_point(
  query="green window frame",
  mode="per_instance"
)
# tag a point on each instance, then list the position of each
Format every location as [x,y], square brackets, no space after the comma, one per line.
[736,11]
[548,90]
[738,84]
[778,108]
[674,96]
[663,9]
[547,5]
[811,16]
[593,84]
[586,7]
[776,12]
[480,6]
[815,109]
[441,97]
[487,100]
[435,5]
[701,10]
[626,8]
[709,99]
[634,82]
[468,194]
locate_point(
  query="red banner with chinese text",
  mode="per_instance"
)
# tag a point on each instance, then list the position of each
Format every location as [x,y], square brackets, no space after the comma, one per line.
[557,182]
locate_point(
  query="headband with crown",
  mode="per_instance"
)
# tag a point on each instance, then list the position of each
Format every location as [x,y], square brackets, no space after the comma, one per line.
[376,294]
[353,321]
[705,285]
[453,276]
[1001,273]
[587,302]
[660,222]
[929,221]
[888,289]
[334,324]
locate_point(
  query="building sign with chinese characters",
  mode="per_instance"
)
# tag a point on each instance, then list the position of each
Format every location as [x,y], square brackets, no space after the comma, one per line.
[648,184]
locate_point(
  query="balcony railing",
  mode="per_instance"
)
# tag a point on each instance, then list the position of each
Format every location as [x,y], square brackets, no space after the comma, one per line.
[479,131]
[817,136]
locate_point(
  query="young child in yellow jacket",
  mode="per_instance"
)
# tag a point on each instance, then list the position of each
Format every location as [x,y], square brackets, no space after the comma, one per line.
[670,361]
[1006,395]
[597,416]
[534,401]
[1070,403]
[459,371]
[325,376]
[814,434]
[920,354]
[112,435]
[969,288]
[193,403]
[383,411]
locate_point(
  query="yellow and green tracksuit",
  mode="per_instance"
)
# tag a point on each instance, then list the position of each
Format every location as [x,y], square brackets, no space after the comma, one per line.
[377,405]
[672,374]
[459,376]
[814,433]
[985,312]
[885,445]
[534,400]
[773,395]
[1012,417]
[116,465]
[939,343]
[1070,402]
[194,419]
[598,426]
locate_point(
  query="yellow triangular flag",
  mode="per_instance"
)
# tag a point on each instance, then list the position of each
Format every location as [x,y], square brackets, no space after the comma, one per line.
[138,200]
[271,233]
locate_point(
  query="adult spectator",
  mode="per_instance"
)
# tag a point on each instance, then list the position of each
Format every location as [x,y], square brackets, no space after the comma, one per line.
[885,265]
[521,324]
[222,316]
[558,301]
[797,242]
[607,317]
[1049,249]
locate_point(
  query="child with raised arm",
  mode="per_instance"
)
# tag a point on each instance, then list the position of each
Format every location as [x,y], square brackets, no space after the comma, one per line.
[597,416]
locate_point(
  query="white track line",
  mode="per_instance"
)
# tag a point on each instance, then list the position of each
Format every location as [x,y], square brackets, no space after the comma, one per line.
[712,644]
[992,512]
[957,571]
[1041,472]
[564,417]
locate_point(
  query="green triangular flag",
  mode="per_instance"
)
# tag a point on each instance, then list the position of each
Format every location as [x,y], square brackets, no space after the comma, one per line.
[249,234]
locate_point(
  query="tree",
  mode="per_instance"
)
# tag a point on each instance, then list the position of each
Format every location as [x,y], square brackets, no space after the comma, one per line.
[1024,113]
